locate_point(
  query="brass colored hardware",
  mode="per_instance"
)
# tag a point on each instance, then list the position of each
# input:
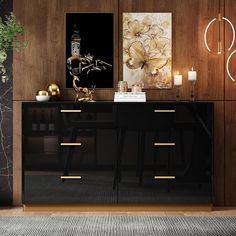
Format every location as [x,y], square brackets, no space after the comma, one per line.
[164,111]
[207,207]
[164,144]
[70,111]
[164,177]
[70,144]
[71,177]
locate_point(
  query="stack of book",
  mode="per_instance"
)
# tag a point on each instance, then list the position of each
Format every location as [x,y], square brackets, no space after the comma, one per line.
[130,97]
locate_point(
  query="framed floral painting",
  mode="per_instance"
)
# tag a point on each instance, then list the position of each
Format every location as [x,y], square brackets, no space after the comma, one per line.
[147,49]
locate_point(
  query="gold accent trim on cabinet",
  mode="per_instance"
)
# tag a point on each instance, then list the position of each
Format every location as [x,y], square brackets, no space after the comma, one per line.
[164,177]
[71,177]
[164,144]
[70,144]
[96,209]
[164,111]
[70,111]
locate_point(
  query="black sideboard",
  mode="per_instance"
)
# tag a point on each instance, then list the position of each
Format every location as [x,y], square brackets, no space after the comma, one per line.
[106,152]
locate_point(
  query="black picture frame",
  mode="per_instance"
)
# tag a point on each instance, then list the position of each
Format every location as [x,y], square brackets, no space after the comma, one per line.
[97,38]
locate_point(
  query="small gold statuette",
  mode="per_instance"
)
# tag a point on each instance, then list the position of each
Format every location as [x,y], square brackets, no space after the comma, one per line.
[82,94]
[85,95]
[54,91]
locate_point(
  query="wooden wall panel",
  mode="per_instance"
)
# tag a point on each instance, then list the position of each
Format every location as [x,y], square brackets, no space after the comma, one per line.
[230,86]
[189,21]
[43,61]
[230,153]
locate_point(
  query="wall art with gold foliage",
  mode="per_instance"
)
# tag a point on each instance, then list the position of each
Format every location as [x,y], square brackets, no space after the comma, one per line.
[147,49]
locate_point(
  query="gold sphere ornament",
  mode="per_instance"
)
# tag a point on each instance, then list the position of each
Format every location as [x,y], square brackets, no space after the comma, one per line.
[54,91]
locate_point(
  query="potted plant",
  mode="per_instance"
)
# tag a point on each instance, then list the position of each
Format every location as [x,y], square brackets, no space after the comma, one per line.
[9,30]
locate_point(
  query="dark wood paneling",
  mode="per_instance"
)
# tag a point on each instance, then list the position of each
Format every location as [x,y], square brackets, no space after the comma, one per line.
[230,86]
[219,162]
[43,61]
[189,21]
[230,153]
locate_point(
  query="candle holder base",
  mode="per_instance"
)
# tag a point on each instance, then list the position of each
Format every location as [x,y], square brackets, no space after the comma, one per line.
[177,96]
[192,91]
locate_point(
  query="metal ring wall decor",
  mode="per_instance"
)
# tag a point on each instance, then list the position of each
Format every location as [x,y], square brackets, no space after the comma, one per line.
[205,34]
[219,19]
[233,31]
[227,66]
[207,28]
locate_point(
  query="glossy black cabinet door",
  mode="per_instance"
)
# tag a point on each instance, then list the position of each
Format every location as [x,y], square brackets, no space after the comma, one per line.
[69,153]
[105,152]
[170,162]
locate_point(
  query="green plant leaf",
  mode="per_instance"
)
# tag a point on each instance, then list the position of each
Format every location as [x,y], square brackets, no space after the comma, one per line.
[10,29]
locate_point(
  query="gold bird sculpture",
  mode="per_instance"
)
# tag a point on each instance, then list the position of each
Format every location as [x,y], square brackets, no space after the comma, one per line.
[82,94]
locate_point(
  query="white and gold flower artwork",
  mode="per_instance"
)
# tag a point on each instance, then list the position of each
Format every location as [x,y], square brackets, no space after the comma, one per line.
[147,49]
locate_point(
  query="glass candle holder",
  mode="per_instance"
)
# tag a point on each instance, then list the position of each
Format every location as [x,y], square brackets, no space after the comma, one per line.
[192,90]
[177,83]
[177,92]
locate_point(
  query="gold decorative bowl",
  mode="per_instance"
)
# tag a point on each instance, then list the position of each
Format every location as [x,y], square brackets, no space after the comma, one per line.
[42,96]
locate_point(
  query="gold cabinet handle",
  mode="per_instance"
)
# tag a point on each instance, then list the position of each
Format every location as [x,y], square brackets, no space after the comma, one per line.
[164,177]
[70,111]
[70,144]
[164,144]
[164,111]
[71,177]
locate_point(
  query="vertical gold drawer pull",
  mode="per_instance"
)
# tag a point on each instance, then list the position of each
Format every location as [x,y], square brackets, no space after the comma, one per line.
[164,111]
[70,144]
[70,111]
[71,177]
[164,144]
[164,177]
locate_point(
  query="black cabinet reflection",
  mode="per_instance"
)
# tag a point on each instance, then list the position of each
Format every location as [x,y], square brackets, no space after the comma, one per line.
[169,159]
[75,162]
[105,152]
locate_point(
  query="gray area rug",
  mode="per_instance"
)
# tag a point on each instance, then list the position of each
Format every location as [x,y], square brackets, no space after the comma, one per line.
[117,225]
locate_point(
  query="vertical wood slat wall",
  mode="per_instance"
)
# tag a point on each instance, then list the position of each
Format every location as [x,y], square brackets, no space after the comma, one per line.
[230,112]
[43,61]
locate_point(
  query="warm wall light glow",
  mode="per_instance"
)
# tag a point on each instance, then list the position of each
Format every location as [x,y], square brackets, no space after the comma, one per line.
[219,48]
[205,34]
[227,65]
[219,43]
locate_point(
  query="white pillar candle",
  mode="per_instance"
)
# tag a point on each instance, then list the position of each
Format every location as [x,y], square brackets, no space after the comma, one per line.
[178,80]
[192,75]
